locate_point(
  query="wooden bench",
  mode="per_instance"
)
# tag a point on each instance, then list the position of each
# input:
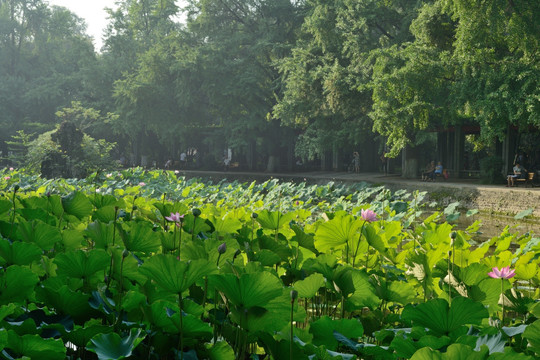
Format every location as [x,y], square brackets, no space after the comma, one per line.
[527,181]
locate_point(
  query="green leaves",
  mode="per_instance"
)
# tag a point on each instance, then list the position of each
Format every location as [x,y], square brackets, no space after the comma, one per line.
[77,204]
[250,290]
[174,276]
[438,316]
[335,233]
[113,346]
[308,287]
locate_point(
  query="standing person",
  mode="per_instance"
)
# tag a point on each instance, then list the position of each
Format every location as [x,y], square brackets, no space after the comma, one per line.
[356,162]
[384,163]
[183,160]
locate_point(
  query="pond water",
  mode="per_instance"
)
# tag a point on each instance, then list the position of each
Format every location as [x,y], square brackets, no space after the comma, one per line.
[493,225]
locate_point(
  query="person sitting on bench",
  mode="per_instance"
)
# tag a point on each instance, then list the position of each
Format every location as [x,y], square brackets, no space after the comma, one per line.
[429,173]
[519,173]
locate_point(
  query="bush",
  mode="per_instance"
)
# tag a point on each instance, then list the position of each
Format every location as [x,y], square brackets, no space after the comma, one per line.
[491,170]
[76,160]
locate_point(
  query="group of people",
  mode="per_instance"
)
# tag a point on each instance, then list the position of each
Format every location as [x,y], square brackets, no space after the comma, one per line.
[432,171]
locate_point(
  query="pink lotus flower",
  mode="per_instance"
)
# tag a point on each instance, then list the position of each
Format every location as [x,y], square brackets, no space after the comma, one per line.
[142,183]
[503,273]
[11,169]
[108,175]
[368,215]
[175,217]
[7,177]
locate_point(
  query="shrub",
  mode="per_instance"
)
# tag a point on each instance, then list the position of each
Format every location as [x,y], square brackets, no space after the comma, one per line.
[491,170]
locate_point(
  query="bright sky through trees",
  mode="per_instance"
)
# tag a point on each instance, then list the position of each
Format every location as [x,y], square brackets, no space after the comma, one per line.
[93,13]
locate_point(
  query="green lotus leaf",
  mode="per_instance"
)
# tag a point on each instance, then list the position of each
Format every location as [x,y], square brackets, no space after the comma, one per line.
[255,289]
[101,234]
[165,315]
[17,284]
[308,287]
[454,352]
[355,286]
[175,276]
[334,234]
[282,349]
[3,339]
[127,267]
[278,248]
[105,214]
[199,226]
[227,224]
[526,271]
[438,316]
[77,204]
[374,239]
[37,214]
[323,331]
[511,354]
[113,346]
[273,317]
[6,310]
[267,257]
[304,240]
[474,273]
[397,292]
[488,292]
[5,205]
[80,264]
[60,297]
[221,350]
[523,214]
[35,347]
[81,335]
[324,264]
[532,334]
[141,238]
[36,231]
[274,220]
[19,253]
[72,239]
[55,204]
[100,201]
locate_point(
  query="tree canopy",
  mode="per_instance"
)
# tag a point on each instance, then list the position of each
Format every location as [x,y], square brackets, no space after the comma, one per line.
[271,74]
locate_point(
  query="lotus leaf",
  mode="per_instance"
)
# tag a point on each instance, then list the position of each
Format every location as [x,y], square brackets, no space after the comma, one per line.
[17,284]
[175,276]
[532,334]
[19,253]
[250,290]
[274,220]
[308,287]
[101,234]
[324,328]
[77,204]
[113,346]
[36,231]
[35,347]
[336,233]
[454,352]
[80,264]
[140,237]
[438,316]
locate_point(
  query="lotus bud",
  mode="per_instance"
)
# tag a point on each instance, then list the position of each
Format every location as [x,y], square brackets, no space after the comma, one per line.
[222,248]
[453,235]
[236,253]
[254,215]
[17,187]
[196,212]
[294,295]
[125,253]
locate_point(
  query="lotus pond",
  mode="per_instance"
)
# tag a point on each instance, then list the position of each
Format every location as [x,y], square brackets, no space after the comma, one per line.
[138,264]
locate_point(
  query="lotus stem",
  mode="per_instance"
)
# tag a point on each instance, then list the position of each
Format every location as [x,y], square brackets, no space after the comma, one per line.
[502,302]
[181,341]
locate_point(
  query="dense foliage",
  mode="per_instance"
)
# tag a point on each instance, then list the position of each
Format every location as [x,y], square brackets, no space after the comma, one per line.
[147,265]
[260,76]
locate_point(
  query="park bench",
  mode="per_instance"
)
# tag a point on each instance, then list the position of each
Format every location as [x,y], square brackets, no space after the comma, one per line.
[527,181]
